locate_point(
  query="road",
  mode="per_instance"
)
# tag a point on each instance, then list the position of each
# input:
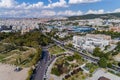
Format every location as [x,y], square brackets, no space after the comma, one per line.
[44,62]
[85,56]
[93,59]
[41,68]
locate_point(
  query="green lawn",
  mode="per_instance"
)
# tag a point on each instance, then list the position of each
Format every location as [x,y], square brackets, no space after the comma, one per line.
[56,50]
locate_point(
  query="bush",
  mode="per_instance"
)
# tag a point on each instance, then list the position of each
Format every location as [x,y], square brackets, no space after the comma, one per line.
[91,67]
[109,65]
[55,71]
[70,58]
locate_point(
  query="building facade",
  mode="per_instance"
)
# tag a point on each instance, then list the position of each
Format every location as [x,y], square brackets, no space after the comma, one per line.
[90,41]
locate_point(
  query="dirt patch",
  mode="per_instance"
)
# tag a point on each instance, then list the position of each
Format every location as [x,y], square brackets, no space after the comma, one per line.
[7,73]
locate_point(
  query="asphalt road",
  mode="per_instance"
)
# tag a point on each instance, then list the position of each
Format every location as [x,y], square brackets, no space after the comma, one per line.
[74,50]
[41,68]
[95,60]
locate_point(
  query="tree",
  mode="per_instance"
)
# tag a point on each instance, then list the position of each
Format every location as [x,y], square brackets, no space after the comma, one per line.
[36,56]
[70,58]
[97,52]
[119,64]
[109,65]
[70,45]
[76,56]
[55,71]
[103,62]
[106,55]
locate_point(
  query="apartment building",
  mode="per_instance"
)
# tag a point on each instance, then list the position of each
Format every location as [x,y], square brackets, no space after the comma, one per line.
[90,41]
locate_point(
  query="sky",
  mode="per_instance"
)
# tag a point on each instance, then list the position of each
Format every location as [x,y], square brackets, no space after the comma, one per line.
[49,8]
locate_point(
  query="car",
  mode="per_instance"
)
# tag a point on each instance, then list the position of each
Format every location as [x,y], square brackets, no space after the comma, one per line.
[17,69]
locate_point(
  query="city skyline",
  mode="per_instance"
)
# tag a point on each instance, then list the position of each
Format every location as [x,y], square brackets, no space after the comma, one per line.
[59,40]
[49,8]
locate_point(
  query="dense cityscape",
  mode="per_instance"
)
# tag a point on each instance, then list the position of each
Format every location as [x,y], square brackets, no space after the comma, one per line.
[59,47]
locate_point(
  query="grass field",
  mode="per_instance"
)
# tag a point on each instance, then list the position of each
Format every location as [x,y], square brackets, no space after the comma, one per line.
[56,50]
[18,57]
[6,47]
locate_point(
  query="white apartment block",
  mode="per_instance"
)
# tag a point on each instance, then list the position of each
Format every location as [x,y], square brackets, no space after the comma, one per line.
[90,41]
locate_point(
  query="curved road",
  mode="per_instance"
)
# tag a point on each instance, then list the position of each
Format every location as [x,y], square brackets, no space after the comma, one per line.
[93,59]
[41,68]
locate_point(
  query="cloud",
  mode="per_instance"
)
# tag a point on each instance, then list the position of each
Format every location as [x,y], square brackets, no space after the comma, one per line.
[14,13]
[117,10]
[36,5]
[82,1]
[69,13]
[47,13]
[7,3]
[39,13]
[27,13]
[50,1]
[39,5]
[13,4]
[60,3]
[101,11]
[12,8]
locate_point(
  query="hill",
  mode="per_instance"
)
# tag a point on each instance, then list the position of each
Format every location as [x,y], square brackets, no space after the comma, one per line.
[92,16]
